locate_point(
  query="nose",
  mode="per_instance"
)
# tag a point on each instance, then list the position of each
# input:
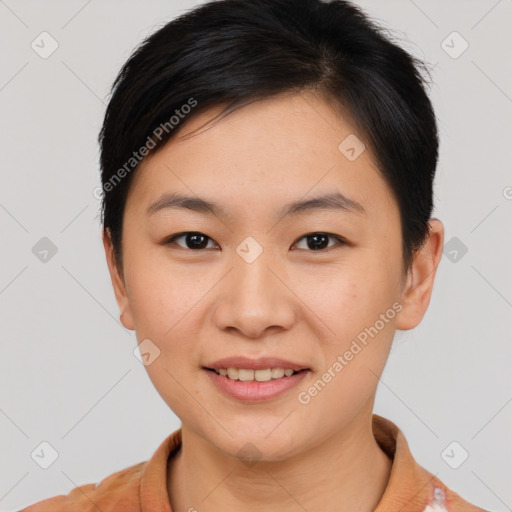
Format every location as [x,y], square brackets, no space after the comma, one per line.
[254,300]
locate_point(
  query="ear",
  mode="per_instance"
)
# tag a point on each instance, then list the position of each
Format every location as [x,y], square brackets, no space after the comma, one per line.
[420,279]
[118,284]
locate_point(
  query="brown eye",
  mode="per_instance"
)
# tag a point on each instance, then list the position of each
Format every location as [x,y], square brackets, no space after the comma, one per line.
[319,241]
[192,240]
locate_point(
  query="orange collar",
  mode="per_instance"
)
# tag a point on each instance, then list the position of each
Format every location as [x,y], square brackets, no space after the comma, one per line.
[143,486]
[410,488]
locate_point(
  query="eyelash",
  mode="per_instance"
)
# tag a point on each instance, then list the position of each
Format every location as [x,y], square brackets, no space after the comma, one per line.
[340,240]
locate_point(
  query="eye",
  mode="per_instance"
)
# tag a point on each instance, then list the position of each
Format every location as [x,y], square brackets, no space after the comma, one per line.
[319,241]
[193,240]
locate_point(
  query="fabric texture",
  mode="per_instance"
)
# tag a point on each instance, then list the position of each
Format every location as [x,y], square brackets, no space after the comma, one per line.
[143,486]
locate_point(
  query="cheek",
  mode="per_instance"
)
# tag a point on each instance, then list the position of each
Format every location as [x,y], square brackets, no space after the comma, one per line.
[360,309]
[160,293]
[155,304]
[347,297]
[162,303]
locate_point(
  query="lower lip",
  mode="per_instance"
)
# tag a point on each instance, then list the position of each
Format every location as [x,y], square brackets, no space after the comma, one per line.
[254,391]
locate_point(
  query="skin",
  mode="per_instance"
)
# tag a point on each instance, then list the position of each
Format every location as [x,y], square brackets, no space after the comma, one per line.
[292,302]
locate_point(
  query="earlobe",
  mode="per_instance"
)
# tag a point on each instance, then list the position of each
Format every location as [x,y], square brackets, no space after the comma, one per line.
[420,279]
[117,282]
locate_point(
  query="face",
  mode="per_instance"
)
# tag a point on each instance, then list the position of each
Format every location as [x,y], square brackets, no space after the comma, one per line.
[317,288]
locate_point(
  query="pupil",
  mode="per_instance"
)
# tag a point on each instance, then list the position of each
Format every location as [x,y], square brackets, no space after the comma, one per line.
[195,240]
[320,241]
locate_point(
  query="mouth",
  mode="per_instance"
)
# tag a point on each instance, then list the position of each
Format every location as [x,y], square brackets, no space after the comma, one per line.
[251,375]
[255,384]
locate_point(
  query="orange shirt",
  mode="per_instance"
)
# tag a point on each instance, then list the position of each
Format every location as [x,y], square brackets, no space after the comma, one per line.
[143,487]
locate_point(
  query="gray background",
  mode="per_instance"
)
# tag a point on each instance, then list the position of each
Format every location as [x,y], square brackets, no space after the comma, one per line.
[68,375]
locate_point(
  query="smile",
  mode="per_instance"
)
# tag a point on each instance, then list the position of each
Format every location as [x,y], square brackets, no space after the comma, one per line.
[248,375]
[254,385]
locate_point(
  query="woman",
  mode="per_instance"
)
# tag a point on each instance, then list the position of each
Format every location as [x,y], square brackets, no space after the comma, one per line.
[267,172]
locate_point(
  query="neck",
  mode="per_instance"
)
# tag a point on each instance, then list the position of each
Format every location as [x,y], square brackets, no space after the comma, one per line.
[347,471]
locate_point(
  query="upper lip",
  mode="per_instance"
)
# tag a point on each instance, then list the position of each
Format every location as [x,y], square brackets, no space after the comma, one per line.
[261,363]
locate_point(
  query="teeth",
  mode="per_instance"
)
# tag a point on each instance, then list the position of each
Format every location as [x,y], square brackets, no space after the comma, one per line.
[263,375]
[277,373]
[232,373]
[248,375]
[245,375]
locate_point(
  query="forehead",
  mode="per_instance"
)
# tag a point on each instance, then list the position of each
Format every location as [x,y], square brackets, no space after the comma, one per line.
[268,151]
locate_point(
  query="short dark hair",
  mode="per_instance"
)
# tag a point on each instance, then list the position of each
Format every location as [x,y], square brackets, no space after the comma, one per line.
[231,52]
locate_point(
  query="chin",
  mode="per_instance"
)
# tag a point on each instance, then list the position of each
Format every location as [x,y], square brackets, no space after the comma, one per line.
[251,447]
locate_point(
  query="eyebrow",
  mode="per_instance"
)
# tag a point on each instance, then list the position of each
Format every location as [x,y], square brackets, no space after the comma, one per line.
[333,201]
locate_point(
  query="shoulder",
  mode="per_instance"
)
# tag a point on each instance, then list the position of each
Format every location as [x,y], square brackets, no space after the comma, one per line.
[411,487]
[118,491]
[442,499]
[142,485]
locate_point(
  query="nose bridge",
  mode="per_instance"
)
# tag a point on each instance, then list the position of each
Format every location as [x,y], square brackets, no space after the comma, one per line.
[253,298]
[253,284]
[251,261]
[253,276]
